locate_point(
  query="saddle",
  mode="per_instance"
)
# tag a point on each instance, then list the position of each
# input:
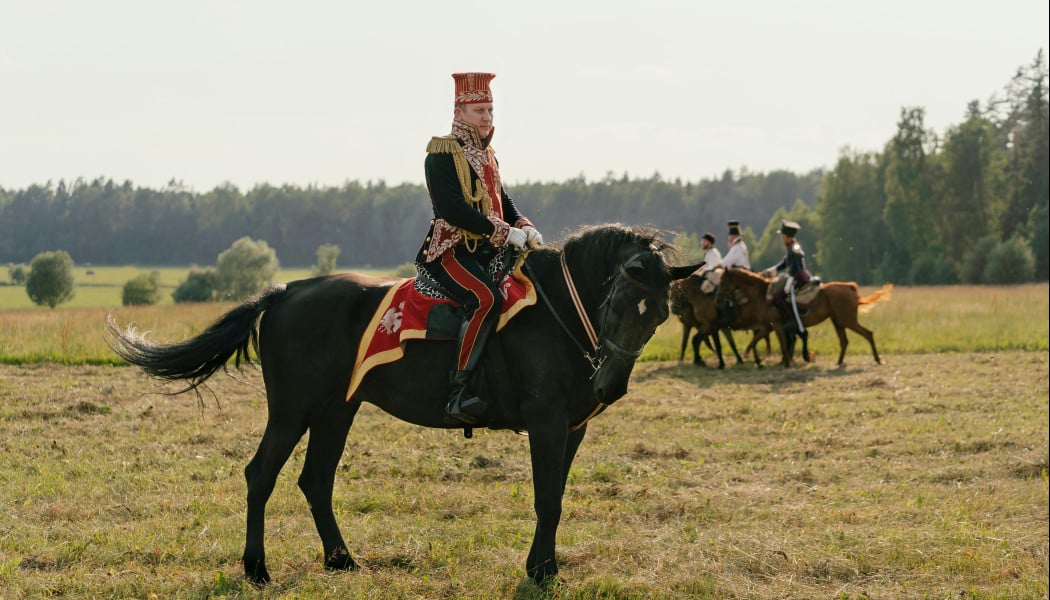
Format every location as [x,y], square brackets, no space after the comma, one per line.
[406,313]
[807,293]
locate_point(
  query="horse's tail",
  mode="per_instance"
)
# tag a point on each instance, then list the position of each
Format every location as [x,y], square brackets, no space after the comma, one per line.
[197,359]
[868,302]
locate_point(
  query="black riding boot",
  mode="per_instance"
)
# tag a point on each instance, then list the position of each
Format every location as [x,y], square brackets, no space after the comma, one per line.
[464,405]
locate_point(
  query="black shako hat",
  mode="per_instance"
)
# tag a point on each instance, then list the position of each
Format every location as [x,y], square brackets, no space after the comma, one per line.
[789,228]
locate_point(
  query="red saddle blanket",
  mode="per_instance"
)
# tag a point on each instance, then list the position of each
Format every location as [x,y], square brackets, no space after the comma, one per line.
[402,315]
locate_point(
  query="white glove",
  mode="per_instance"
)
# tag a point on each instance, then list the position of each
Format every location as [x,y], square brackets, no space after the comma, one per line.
[516,237]
[535,239]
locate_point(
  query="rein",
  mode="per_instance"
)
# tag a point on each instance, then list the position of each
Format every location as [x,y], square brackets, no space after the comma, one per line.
[596,360]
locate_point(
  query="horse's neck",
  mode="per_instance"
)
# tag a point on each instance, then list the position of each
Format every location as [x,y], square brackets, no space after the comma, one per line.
[549,271]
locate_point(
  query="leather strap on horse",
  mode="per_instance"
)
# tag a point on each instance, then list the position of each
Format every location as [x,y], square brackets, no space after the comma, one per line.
[594,413]
[579,305]
[594,361]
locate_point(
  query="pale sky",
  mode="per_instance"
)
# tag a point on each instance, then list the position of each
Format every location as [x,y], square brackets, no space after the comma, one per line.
[326,91]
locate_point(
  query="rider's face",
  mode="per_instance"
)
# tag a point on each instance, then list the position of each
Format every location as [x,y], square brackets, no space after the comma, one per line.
[479,115]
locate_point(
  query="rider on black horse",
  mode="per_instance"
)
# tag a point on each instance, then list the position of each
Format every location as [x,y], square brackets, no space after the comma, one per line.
[473,219]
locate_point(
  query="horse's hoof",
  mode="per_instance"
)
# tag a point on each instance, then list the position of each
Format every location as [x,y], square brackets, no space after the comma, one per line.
[721,365]
[340,560]
[257,575]
[545,573]
[699,363]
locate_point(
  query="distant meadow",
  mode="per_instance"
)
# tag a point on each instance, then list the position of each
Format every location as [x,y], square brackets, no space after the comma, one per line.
[915,320]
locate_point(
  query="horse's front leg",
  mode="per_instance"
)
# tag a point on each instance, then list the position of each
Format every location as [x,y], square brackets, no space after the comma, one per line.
[728,333]
[685,340]
[718,349]
[553,449]
[697,359]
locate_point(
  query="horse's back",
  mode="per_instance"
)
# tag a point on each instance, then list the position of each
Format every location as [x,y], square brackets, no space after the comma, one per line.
[342,295]
[320,321]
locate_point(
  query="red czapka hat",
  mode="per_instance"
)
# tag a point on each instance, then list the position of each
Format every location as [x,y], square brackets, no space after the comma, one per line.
[473,88]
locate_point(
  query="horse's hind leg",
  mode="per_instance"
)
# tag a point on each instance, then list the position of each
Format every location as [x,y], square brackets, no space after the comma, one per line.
[870,336]
[843,341]
[277,443]
[327,439]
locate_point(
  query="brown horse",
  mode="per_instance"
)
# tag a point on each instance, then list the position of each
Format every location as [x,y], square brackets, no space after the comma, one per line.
[841,302]
[698,310]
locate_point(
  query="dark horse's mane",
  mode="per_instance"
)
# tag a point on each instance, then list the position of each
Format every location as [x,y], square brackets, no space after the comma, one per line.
[597,248]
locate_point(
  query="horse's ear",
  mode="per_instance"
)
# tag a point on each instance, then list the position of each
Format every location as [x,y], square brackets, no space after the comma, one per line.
[683,272]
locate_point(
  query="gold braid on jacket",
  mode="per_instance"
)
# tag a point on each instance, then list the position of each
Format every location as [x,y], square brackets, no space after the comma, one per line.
[478,197]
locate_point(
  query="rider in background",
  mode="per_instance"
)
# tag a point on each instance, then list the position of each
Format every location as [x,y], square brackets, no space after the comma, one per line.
[712,260]
[736,257]
[474,219]
[790,273]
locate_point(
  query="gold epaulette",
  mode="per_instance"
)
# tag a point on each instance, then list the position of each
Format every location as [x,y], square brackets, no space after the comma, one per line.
[477,197]
[443,144]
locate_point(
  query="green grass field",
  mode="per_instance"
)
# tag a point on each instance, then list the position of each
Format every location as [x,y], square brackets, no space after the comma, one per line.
[915,320]
[923,478]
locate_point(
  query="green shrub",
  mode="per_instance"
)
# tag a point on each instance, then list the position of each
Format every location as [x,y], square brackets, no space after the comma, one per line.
[18,274]
[50,279]
[1011,261]
[976,259]
[245,268]
[198,287]
[932,269]
[327,254]
[142,290]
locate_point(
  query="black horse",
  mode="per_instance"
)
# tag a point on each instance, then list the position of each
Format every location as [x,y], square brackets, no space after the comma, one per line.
[558,378]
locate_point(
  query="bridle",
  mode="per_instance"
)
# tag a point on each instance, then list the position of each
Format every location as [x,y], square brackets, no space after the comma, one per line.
[599,343]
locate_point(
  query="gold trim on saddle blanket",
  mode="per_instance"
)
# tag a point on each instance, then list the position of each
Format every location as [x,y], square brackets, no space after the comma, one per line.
[363,363]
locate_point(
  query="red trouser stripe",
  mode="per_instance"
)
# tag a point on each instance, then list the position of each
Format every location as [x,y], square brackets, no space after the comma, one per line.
[485,303]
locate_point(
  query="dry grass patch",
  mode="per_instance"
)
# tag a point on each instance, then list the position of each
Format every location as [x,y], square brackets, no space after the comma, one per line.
[924,478]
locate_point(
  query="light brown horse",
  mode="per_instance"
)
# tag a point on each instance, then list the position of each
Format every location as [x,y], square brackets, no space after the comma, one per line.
[841,302]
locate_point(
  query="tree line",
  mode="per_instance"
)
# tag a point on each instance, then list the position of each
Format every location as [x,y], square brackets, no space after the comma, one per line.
[968,205]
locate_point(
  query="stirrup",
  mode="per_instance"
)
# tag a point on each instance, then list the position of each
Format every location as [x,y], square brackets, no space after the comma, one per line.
[466,409]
